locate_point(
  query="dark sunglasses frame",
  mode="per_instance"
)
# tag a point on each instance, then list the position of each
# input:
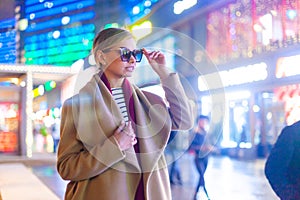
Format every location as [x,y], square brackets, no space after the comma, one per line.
[126,54]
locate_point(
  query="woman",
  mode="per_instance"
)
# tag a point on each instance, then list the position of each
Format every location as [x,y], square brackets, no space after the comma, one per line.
[113,134]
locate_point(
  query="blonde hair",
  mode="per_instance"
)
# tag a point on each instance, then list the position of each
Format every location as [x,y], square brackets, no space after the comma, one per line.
[107,38]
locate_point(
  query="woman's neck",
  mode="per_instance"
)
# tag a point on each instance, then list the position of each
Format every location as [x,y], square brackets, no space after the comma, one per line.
[114,83]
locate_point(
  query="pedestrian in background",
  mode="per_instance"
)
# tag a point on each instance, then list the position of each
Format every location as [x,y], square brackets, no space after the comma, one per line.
[55,134]
[282,167]
[202,147]
[113,134]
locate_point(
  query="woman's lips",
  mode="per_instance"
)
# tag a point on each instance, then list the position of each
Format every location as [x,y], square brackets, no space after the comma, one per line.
[131,68]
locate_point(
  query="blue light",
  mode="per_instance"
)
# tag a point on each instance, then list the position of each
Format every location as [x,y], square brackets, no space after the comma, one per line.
[136,10]
[7,48]
[7,41]
[8,36]
[31,2]
[5,83]
[41,6]
[291,14]
[59,42]
[8,23]
[147,3]
[57,22]
[59,10]
[87,28]
[7,58]
[65,20]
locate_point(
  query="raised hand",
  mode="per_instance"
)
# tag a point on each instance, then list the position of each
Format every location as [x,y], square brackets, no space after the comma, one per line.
[157,61]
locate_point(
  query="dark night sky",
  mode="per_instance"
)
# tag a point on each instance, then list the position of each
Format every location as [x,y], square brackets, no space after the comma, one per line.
[6,9]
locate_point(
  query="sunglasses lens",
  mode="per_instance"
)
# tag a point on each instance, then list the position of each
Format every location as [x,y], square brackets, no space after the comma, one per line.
[125,55]
[138,54]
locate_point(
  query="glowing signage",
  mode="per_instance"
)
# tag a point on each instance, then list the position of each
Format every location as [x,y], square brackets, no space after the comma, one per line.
[57,9]
[236,76]
[288,66]
[7,41]
[142,30]
[58,21]
[183,5]
[57,28]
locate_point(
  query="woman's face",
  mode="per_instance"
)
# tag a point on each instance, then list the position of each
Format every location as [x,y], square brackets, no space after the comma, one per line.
[114,67]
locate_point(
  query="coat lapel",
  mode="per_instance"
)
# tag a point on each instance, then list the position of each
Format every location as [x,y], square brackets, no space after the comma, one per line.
[99,116]
[152,124]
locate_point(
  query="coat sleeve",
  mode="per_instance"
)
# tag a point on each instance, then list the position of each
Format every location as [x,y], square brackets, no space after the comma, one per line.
[74,161]
[277,166]
[181,108]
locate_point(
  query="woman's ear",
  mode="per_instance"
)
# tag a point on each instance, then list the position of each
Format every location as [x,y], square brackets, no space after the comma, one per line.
[100,57]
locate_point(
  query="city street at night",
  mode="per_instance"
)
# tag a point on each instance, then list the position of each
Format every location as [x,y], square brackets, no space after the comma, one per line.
[226,178]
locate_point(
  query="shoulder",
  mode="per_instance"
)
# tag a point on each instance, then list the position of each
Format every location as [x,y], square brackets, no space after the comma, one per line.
[153,97]
[295,126]
[289,135]
[292,132]
[150,96]
[70,101]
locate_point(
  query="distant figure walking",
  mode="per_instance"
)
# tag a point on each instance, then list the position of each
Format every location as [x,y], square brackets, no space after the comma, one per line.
[202,147]
[55,132]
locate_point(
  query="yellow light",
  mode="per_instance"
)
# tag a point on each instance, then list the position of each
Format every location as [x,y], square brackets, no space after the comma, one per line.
[15,81]
[141,30]
[23,24]
[35,92]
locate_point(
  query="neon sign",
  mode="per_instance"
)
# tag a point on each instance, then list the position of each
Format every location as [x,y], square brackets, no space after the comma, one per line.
[287,66]
[236,76]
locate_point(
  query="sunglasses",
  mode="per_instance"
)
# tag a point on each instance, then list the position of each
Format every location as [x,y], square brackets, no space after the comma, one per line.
[126,54]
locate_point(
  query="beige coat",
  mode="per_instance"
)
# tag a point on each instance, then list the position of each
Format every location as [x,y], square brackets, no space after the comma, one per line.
[89,156]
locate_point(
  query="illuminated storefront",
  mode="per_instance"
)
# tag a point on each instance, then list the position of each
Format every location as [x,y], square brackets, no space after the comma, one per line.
[286,69]
[9,120]
[238,130]
[261,98]
[20,109]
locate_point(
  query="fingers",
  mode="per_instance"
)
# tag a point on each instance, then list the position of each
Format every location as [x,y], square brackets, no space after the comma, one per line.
[126,129]
[134,141]
[121,127]
[152,54]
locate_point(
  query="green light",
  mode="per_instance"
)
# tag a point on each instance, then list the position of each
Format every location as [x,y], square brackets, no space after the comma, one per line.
[67,60]
[50,85]
[112,25]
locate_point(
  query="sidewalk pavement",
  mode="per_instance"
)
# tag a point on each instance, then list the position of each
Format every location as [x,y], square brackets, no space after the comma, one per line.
[17,181]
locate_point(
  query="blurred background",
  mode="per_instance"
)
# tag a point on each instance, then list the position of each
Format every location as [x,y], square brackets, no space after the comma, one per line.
[252,44]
